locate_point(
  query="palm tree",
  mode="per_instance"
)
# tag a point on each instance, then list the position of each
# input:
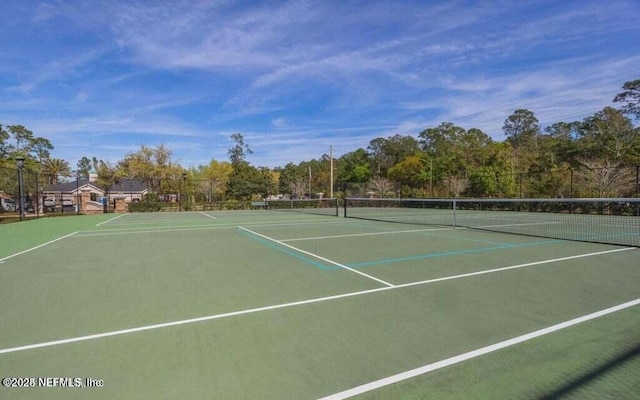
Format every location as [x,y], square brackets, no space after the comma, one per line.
[55,167]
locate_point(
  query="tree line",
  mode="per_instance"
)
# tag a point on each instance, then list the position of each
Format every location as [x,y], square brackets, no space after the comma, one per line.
[595,157]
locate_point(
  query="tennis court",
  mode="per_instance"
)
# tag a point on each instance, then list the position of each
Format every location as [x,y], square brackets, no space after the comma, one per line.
[283,305]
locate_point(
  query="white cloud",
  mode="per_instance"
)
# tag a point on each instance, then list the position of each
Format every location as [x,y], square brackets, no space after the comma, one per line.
[298,76]
[279,122]
[81,97]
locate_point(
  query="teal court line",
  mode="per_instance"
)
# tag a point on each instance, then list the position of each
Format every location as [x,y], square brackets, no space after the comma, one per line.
[447,254]
[435,235]
[287,251]
[394,260]
[450,237]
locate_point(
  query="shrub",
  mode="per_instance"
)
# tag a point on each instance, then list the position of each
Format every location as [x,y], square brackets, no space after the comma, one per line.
[149,203]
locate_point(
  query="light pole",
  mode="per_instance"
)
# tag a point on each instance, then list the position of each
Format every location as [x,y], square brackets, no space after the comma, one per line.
[78,192]
[20,165]
[331,171]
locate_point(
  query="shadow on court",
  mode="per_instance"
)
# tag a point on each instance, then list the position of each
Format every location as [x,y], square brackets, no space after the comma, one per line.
[623,379]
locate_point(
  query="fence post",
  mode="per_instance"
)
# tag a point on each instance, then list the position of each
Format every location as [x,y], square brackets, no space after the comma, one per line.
[637,190]
[637,180]
[37,202]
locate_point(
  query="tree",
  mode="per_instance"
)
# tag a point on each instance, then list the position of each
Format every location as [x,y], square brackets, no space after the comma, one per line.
[286,179]
[454,152]
[386,152]
[522,131]
[53,168]
[457,184]
[316,174]
[151,165]
[440,140]
[35,150]
[521,128]
[382,186]
[354,166]
[606,178]
[217,172]
[630,96]
[244,179]
[473,145]
[84,167]
[494,179]
[40,148]
[239,151]
[440,144]
[266,182]
[22,137]
[410,171]
[108,175]
[294,180]
[4,142]
[562,140]
[608,134]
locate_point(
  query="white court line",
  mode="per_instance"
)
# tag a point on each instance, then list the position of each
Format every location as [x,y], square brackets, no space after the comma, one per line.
[475,353]
[154,221]
[283,305]
[318,257]
[365,234]
[153,230]
[531,264]
[37,247]
[225,225]
[184,322]
[112,219]
[207,215]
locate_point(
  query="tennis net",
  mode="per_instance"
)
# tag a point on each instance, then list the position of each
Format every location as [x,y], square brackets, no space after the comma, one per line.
[610,221]
[324,206]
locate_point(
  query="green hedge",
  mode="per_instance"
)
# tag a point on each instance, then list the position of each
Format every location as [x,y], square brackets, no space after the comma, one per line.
[149,203]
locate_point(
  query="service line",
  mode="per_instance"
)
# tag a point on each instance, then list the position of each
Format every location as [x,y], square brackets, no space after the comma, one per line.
[37,247]
[283,305]
[317,257]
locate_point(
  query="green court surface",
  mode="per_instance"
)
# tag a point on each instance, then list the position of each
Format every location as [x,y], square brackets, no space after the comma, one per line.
[278,305]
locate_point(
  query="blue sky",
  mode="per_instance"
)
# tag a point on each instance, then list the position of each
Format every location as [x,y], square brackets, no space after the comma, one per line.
[102,78]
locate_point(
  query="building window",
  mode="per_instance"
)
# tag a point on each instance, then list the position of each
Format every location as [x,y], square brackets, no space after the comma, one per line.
[94,196]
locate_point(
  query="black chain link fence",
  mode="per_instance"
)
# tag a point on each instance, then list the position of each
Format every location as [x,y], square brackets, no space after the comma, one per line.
[560,183]
[32,200]
[184,194]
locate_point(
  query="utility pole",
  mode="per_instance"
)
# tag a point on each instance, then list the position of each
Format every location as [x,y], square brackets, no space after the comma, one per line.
[431,177]
[310,182]
[331,160]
